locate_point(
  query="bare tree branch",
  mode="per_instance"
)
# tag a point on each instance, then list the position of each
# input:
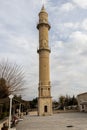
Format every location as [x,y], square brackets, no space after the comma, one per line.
[11,78]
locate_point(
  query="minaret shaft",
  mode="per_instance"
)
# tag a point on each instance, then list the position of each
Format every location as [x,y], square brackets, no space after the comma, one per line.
[44,100]
[44,73]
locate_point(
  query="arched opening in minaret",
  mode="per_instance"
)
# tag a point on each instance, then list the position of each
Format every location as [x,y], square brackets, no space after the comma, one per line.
[45,108]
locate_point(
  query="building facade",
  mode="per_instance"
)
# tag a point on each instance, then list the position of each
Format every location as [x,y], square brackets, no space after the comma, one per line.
[82,101]
[44,88]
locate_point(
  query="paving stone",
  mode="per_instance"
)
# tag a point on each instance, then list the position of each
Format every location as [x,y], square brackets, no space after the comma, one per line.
[54,122]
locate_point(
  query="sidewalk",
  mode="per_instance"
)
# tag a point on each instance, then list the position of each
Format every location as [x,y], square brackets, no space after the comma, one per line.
[61,121]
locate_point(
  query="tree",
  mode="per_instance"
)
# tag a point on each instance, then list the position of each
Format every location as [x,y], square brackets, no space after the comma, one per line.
[62,101]
[33,103]
[65,101]
[55,104]
[74,100]
[11,78]
[3,88]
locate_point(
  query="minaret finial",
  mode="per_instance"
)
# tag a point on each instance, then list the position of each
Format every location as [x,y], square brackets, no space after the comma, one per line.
[42,2]
[43,7]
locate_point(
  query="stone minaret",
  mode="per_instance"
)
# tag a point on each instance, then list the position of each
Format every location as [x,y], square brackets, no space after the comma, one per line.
[44,97]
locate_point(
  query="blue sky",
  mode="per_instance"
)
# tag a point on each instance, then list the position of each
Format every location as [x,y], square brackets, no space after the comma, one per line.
[67,39]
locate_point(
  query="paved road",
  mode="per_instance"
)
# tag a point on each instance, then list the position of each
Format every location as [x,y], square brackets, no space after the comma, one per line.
[74,121]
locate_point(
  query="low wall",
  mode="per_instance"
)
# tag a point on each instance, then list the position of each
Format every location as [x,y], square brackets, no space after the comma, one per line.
[33,113]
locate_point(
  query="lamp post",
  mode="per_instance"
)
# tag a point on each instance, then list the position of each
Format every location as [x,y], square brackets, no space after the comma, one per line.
[10,97]
[20,110]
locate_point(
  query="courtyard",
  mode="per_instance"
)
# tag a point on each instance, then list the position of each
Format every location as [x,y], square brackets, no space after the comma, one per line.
[60,121]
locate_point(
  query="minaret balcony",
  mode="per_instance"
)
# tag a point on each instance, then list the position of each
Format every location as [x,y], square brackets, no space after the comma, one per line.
[43,23]
[43,49]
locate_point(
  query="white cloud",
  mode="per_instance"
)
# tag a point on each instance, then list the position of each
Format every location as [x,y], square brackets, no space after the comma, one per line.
[67,7]
[81,3]
[84,24]
[69,50]
[79,37]
[44,2]
[71,25]
[71,65]
[68,40]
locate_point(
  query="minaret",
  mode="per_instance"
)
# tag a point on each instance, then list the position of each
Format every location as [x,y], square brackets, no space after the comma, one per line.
[44,97]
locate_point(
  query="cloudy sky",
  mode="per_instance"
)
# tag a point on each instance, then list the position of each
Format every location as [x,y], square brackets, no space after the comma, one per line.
[68,42]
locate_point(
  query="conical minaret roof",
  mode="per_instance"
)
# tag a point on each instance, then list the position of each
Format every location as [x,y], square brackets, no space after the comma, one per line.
[43,9]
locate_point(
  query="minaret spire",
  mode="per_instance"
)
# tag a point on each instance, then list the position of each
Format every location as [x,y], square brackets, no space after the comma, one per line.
[43,7]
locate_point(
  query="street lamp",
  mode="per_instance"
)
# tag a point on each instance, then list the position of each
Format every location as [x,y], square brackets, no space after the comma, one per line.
[10,97]
[20,110]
